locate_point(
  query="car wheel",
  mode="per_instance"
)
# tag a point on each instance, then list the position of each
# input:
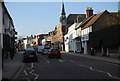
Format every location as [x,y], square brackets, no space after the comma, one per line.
[49,56]
[59,56]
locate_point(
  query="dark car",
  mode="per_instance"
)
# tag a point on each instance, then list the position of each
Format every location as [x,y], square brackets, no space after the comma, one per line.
[54,53]
[30,55]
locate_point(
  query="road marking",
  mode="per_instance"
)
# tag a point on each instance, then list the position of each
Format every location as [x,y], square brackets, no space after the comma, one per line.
[109,74]
[46,60]
[25,72]
[31,72]
[100,71]
[71,60]
[28,68]
[31,65]
[36,77]
[24,79]
[61,60]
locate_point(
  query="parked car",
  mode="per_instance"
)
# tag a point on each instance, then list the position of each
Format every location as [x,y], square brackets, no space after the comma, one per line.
[54,53]
[40,49]
[45,50]
[30,55]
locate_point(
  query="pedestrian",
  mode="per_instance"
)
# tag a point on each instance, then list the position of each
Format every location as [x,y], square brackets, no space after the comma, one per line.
[92,51]
[82,50]
[11,53]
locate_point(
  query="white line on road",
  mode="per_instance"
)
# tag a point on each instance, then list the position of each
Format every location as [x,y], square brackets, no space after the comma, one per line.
[100,71]
[25,72]
[28,68]
[31,72]
[61,60]
[109,74]
[46,60]
[71,60]
[36,77]
[31,65]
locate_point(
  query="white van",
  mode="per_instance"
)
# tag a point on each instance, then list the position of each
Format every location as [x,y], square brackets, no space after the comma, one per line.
[40,49]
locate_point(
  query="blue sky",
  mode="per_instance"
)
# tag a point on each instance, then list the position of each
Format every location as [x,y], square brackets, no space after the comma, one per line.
[33,18]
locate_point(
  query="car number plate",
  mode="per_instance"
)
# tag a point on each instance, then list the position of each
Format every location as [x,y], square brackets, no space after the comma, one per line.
[30,55]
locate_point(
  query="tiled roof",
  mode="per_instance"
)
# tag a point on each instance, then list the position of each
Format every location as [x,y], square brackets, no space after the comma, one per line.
[72,17]
[94,19]
[85,21]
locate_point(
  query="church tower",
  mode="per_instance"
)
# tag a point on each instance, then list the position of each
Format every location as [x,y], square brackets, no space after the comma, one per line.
[63,19]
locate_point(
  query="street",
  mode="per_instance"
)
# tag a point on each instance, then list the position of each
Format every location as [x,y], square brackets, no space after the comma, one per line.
[67,67]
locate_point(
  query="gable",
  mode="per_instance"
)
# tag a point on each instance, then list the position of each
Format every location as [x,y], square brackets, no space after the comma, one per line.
[103,16]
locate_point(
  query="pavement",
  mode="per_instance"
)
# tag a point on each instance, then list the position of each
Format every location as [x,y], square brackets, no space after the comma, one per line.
[11,67]
[105,59]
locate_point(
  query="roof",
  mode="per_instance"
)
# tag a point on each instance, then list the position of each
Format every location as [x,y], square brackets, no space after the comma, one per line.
[85,21]
[94,19]
[72,17]
[43,35]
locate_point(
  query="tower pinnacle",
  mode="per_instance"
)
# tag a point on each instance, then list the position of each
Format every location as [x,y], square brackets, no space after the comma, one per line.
[63,9]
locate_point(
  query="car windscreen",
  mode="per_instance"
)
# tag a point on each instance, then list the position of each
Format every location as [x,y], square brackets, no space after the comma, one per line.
[47,48]
[54,50]
[30,52]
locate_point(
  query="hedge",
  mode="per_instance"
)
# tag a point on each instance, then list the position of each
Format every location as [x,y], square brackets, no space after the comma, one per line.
[108,37]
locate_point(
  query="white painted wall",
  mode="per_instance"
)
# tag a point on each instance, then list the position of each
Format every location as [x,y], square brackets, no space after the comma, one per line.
[66,37]
[71,43]
[25,43]
[85,37]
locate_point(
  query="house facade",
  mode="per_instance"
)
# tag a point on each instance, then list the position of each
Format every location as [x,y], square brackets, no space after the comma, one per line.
[72,41]
[90,24]
[96,23]
[8,32]
[39,38]
[76,37]
[1,29]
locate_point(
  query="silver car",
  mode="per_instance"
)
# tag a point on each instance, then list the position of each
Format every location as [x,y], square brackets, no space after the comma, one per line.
[45,50]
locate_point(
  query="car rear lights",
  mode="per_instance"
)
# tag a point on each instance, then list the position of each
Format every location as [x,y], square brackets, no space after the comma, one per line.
[50,52]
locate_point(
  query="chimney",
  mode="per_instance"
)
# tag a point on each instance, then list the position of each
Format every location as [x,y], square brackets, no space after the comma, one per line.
[89,12]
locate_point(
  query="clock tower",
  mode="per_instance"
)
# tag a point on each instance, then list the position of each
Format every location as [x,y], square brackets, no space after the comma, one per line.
[63,20]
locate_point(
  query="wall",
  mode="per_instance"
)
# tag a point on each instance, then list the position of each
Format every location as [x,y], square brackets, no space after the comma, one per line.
[1,40]
[25,43]
[66,42]
[1,26]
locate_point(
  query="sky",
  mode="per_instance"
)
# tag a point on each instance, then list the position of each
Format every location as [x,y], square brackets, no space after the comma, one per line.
[33,18]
